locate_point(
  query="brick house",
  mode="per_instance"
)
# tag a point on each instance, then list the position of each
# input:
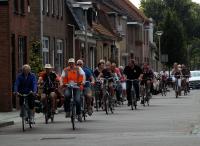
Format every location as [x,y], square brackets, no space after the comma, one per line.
[13,50]
[48,23]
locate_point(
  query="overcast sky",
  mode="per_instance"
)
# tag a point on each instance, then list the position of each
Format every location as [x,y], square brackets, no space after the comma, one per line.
[137,2]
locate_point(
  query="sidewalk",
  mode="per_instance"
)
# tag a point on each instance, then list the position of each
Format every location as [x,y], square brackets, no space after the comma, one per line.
[10,118]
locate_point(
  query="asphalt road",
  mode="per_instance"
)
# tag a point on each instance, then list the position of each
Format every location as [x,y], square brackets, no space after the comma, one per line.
[166,122]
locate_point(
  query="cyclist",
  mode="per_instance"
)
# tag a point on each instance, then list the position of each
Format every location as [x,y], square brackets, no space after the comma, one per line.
[186,74]
[107,73]
[48,79]
[99,69]
[132,71]
[123,82]
[26,83]
[176,71]
[87,86]
[72,73]
[118,77]
[163,77]
[147,77]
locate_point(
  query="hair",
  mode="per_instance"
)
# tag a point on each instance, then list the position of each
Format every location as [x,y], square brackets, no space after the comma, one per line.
[26,67]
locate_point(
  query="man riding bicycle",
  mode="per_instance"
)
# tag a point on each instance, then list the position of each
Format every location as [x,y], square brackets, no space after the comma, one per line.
[70,74]
[132,72]
[26,83]
[89,80]
[107,73]
[147,78]
[186,75]
[176,71]
[48,80]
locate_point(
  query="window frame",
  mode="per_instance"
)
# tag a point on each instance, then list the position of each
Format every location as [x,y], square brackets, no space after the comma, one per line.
[45,50]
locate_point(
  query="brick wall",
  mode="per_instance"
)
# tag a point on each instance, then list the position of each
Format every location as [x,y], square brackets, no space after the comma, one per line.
[5,61]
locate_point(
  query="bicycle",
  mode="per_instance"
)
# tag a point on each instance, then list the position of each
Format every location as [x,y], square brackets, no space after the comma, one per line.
[85,101]
[133,94]
[107,98]
[146,88]
[26,113]
[98,89]
[163,88]
[177,88]
[73,115]
[48,111]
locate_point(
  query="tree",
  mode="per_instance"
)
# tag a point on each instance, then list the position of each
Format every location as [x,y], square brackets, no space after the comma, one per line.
[173,40]
[35,59]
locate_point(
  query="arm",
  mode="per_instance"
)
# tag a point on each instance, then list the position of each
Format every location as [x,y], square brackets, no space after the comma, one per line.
[16,85]
[34,81]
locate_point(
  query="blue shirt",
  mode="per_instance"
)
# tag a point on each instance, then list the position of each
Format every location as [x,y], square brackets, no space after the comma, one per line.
[88,75]
[24,84]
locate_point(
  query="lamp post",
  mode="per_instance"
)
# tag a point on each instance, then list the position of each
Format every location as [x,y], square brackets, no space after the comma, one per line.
[159,34]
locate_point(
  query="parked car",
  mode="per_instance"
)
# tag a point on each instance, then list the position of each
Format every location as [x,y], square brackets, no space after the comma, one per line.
[194,80]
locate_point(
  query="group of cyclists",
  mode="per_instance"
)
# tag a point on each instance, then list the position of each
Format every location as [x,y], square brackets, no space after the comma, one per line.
[81,83]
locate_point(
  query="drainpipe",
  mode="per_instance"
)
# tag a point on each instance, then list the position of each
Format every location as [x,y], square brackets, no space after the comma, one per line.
[41,26]
[143,41]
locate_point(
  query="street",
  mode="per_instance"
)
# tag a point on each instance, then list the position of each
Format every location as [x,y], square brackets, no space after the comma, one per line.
[167,121]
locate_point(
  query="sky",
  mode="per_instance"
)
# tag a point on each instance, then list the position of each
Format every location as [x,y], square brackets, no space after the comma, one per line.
[137,2]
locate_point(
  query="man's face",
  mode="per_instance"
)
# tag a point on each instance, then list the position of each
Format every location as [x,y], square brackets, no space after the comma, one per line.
[48,70]
[26,71]
[80,64]
[131,63]
[71,64]
[102,65]
[108,66]
[113,66]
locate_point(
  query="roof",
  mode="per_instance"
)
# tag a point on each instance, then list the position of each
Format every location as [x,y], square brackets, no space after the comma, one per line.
[132,12]
[75,17]
[103,31]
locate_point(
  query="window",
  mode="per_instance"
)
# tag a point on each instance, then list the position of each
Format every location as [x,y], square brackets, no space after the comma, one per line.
[15,6]
[58,7]
[21,51]
[45,50]
[61,8]
[47,6]
[59,59]
[52,7]
[22,7]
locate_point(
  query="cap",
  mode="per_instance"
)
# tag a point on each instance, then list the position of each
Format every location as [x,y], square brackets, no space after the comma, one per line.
[71,60]
[48,66]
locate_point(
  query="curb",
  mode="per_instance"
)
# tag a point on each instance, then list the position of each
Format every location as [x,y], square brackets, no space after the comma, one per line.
[5,124]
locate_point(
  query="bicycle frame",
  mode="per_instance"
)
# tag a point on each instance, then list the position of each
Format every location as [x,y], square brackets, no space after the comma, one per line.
[133,94]
[25,112]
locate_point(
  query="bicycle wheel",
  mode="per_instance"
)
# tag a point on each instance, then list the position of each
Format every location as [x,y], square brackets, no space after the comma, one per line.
[73,116]
[106,103]
[111,104]
[97,100]
[23,123]
[22,114]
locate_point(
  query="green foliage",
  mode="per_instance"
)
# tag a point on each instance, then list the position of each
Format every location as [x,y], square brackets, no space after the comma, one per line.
[180,21]
[35,59]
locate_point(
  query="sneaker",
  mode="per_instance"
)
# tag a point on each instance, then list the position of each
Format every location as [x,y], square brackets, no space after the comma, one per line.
[56,111]
[90,112]
[67,114]
[79,118]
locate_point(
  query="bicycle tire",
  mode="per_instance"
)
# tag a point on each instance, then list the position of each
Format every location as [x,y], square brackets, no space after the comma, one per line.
[23,123]
[73,116]
[46,117]
[106,106]
[110,103]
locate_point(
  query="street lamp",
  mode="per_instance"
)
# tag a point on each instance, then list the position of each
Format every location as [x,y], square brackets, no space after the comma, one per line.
[85,6]
[159,34]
